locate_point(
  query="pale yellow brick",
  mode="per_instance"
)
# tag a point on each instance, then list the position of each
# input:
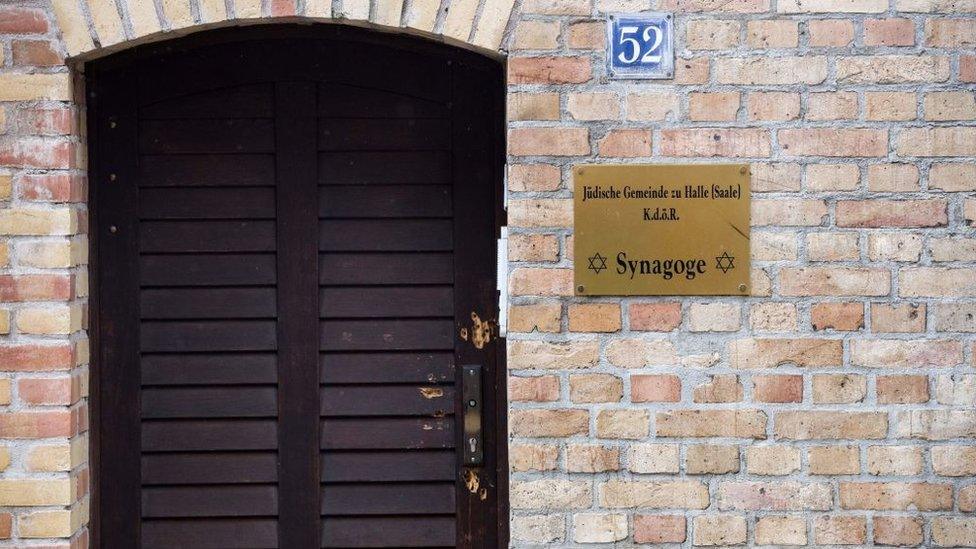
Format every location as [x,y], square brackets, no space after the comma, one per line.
[890,106]
[892,69]
[593,106]
[50,458]
[107,21]
[179,14]
[773,246]
[780,531]
[714,317]
[652,106]
[832,6]
[46,524]
[772,460]
[73,27]
[833,246]
[536,35]
[34,492]
[950,105]
[50,320]
[460,17]
[833,177]
[599,528]
[35,87]
[773,317]
[779,33]
[653,458]
[711,34]
[895,460]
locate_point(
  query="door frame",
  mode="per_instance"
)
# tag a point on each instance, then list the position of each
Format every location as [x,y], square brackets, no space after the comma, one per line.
[98,93]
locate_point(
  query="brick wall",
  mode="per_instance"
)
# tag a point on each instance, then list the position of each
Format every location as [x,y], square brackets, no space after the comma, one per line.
[836,406]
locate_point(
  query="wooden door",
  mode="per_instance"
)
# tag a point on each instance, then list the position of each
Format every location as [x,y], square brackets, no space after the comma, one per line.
[293,248]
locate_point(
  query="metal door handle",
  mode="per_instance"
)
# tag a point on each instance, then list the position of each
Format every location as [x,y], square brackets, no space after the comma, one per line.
[474,453]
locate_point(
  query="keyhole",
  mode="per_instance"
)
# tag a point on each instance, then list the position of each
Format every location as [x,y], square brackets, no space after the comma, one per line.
[473,442]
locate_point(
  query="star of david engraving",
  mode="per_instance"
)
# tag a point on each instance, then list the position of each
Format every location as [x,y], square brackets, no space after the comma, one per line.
[724,262]
[597,263]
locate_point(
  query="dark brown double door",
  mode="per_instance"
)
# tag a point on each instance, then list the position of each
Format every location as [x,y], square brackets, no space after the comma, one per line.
[293,230]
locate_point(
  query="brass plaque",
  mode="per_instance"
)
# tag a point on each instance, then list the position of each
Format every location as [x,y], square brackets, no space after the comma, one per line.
[661,229]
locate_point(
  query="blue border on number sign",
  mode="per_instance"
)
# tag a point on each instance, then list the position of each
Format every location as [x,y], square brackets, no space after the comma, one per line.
[618,69]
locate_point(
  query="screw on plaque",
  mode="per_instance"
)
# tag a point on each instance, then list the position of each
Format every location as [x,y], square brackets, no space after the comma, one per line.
[743,170]
[742,287]
[580,288]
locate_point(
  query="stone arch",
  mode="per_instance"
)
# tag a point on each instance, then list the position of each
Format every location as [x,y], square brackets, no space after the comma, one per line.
[92,28]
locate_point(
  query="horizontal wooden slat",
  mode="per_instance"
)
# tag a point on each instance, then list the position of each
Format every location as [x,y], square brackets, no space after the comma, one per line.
[353,168]
[200,435]
[352,201]
[203,303]
[389,400]
[209,501]
[206,170]
[386,235]
[386,302]
[339,101]
[424,465]
[375,134]
[210,534]
[206,236]
[207,270]
[250,101]
[210,468]
[229,135]
[386,268]
[391,335]
[217,335]
[403,367]
[388,499]
[207,203]
[209,402]
[389,531]
[214,369]
[387,433]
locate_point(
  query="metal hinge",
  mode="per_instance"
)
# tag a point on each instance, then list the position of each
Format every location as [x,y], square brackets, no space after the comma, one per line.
[501,283]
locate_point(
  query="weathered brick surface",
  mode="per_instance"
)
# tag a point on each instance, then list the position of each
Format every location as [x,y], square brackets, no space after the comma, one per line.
[832,408]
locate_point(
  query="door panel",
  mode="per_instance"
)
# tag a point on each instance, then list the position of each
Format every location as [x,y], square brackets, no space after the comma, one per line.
[290,251]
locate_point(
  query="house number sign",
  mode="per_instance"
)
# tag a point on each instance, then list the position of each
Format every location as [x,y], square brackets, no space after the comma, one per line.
[661,229]
[640,45]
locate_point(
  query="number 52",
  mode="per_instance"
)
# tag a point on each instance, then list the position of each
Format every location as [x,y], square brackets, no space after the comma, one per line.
[649,46]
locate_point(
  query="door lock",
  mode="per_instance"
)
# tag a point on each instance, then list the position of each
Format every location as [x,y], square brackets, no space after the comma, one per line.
[471,396]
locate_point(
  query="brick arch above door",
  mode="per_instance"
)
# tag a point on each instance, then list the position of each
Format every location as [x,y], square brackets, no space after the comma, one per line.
[92,28]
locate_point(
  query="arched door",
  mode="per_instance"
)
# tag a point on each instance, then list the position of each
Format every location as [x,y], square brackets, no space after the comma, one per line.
[293,243]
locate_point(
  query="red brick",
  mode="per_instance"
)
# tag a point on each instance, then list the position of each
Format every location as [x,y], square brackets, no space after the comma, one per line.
[625,144]
[282,8]
[655,388]
[63,390]
[36,288]
[892,213]
[38,53]
[903,389]
[898,531]
[533,389]
[548,70]
[22,21]
[655,317]
[778,388]
[889,32]
[53,187]
[967,68]
[37,153]
[659,529]
[23,358]
[46,121]
[37,424]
